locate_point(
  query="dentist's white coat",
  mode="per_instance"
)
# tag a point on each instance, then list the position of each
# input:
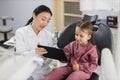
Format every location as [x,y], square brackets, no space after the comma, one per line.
[26,42]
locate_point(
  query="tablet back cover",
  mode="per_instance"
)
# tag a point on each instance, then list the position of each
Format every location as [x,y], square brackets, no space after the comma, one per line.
[54,53]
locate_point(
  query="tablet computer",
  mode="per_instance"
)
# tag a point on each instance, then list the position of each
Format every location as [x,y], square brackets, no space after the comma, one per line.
[54,53]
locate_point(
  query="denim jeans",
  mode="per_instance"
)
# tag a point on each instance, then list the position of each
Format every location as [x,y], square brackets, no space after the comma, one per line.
[30,78]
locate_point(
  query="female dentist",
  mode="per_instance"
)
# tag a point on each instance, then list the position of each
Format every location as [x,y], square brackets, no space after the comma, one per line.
[28,37]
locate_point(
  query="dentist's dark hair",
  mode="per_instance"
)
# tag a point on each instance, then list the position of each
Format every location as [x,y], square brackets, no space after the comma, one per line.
[38,10]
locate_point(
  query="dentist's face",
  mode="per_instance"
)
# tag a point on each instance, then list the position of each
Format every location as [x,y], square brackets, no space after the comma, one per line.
[41,20]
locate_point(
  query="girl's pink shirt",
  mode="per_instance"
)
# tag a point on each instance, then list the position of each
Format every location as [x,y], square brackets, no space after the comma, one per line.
[86,56]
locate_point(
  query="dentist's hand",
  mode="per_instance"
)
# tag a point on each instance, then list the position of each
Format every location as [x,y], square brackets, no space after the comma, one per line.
[41,51]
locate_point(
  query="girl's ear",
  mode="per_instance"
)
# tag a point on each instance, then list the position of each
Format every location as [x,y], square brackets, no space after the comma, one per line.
[89,36]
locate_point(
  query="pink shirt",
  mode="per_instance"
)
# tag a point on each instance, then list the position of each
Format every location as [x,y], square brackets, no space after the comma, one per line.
[86,56]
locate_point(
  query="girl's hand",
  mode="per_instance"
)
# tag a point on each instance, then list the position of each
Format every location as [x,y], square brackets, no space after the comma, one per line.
[76,66]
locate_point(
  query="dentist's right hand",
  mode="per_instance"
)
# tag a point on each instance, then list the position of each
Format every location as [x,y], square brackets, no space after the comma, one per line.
[41,51]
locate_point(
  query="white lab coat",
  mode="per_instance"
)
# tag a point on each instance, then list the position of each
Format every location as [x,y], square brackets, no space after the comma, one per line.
[26,42]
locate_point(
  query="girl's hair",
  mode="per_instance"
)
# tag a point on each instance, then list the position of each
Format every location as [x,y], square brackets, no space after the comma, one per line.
[89,27]
[38,10]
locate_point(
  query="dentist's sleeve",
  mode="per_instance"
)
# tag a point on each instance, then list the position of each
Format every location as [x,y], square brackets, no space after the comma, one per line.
[20,45]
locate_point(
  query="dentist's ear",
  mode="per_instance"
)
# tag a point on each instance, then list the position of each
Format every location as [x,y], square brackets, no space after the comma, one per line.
[33,15]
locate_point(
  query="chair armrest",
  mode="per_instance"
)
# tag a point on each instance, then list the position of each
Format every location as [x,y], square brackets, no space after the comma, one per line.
[108,67]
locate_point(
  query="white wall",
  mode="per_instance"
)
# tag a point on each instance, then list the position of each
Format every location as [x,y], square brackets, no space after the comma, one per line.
[21,11]
[117,55]
[102,14]
[103,8]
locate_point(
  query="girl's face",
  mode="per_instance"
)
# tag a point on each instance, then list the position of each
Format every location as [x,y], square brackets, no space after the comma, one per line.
[82,36]
[41,20]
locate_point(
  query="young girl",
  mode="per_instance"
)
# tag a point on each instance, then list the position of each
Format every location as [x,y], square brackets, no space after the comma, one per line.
[82,55]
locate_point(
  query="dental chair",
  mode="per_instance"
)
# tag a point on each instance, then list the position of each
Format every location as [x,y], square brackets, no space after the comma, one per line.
[91,18]
[102,36]
[5,29]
